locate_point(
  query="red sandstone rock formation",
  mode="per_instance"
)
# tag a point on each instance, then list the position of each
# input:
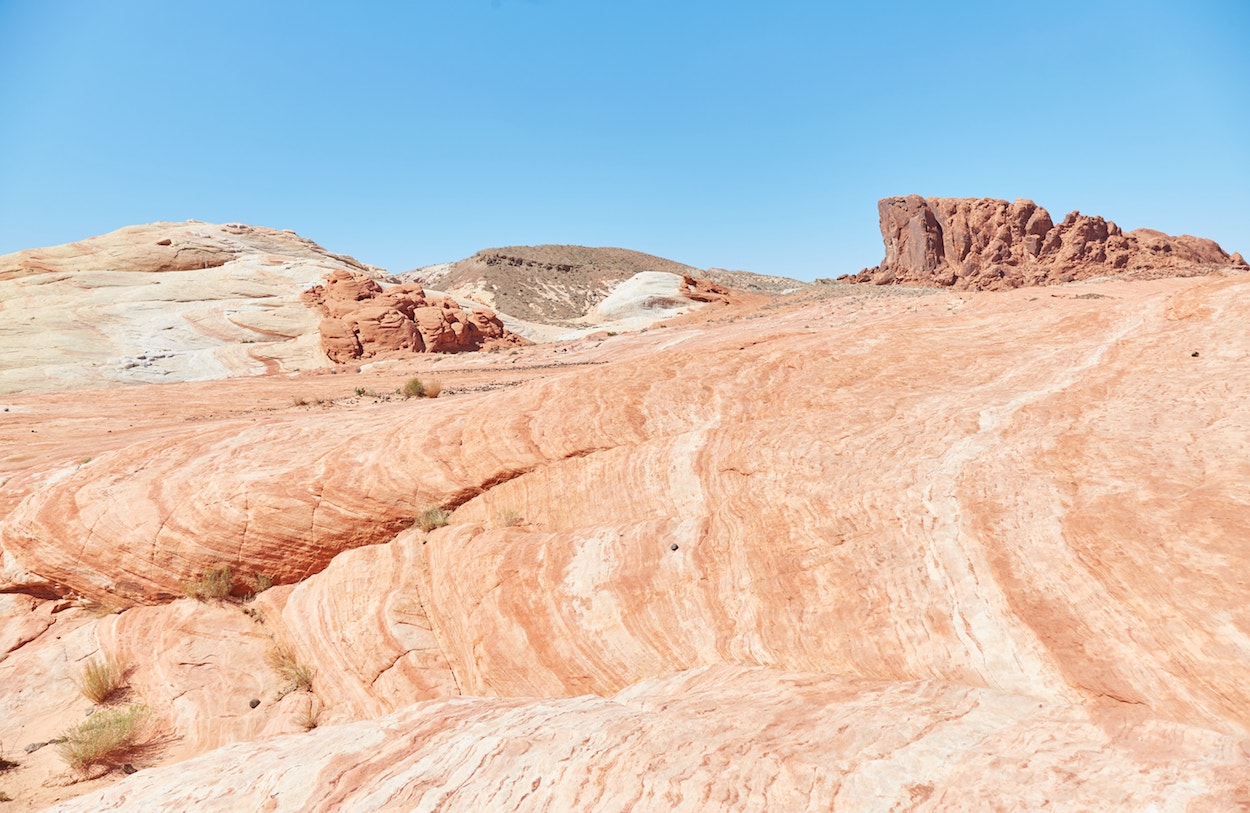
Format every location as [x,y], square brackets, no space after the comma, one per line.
[703,290]
[363,321]
[988,244]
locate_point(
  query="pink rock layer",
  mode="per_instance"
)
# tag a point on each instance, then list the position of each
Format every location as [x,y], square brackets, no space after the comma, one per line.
[988,244]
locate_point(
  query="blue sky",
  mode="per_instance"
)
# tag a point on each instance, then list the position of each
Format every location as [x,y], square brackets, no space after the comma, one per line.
[743,135]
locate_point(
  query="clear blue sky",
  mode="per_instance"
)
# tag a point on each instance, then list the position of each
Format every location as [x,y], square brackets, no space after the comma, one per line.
[752,135]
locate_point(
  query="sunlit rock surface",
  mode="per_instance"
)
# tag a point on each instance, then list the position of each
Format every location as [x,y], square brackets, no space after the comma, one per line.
[953,551]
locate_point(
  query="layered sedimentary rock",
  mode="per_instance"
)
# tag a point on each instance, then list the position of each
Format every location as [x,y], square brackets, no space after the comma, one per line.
[952,551]
[988,244]
[725,738]
[162,302]
[363,321]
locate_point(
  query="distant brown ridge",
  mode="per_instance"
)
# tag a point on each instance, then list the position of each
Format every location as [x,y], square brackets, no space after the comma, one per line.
[990,244]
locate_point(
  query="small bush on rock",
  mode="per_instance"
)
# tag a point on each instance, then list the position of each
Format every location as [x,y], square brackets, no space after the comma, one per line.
[432,517]
[216,583]
[507,518]
[416,388]
[101,679]
[298,676]
[104,738]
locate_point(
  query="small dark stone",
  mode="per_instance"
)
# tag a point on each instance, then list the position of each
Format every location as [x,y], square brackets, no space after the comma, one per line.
[128,769]
[1194,354]
[253,702]
[34,746]
[673,546]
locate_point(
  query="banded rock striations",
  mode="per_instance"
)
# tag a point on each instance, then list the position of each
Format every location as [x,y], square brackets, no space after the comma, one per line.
[988,244]
[853,550]
[867,552]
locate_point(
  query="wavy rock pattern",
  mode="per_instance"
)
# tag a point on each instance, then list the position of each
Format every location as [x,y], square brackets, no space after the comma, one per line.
[989,535]
[161,302]
[793,742]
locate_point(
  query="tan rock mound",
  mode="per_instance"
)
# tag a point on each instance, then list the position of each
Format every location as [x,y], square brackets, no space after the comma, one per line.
[165,247]
[162,302]
[988,244]
[363,321]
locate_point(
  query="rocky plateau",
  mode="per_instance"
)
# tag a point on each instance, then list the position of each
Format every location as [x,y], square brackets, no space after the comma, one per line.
[849,548]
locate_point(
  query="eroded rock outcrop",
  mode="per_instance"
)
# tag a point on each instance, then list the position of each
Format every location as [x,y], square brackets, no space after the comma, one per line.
[988,244]
[364,321]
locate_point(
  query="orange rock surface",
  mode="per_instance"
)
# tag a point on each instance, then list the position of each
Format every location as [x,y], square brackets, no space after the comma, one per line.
[862,552]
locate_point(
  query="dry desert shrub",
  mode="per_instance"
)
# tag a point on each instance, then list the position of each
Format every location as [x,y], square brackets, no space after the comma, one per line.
[433,517]
[257,583]
[416,388]
[104,738]
[507,518]
[299,677]
[309,716]
[215,583]
[101,679]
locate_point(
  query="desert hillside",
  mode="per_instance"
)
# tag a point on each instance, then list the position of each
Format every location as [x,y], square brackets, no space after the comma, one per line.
[545,284]
[866,548]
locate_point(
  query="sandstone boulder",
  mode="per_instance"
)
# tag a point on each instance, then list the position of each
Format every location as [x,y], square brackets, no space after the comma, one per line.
[364,321]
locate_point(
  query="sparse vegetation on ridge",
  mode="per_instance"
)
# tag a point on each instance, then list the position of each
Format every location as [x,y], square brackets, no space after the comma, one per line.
[507,518]
[215,583]
[433,517]
[416,388]
[101,679]
[309,717]
[104,738]
[299,677]
[257,583]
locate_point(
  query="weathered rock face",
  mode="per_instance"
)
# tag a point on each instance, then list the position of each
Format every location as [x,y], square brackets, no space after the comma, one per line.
[363,321]
[944,551]
[163,302]
[156,248]
[987,244]
[724,738]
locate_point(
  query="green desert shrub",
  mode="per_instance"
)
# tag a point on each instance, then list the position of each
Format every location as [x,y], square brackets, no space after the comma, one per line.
[104,738]
[101,679]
